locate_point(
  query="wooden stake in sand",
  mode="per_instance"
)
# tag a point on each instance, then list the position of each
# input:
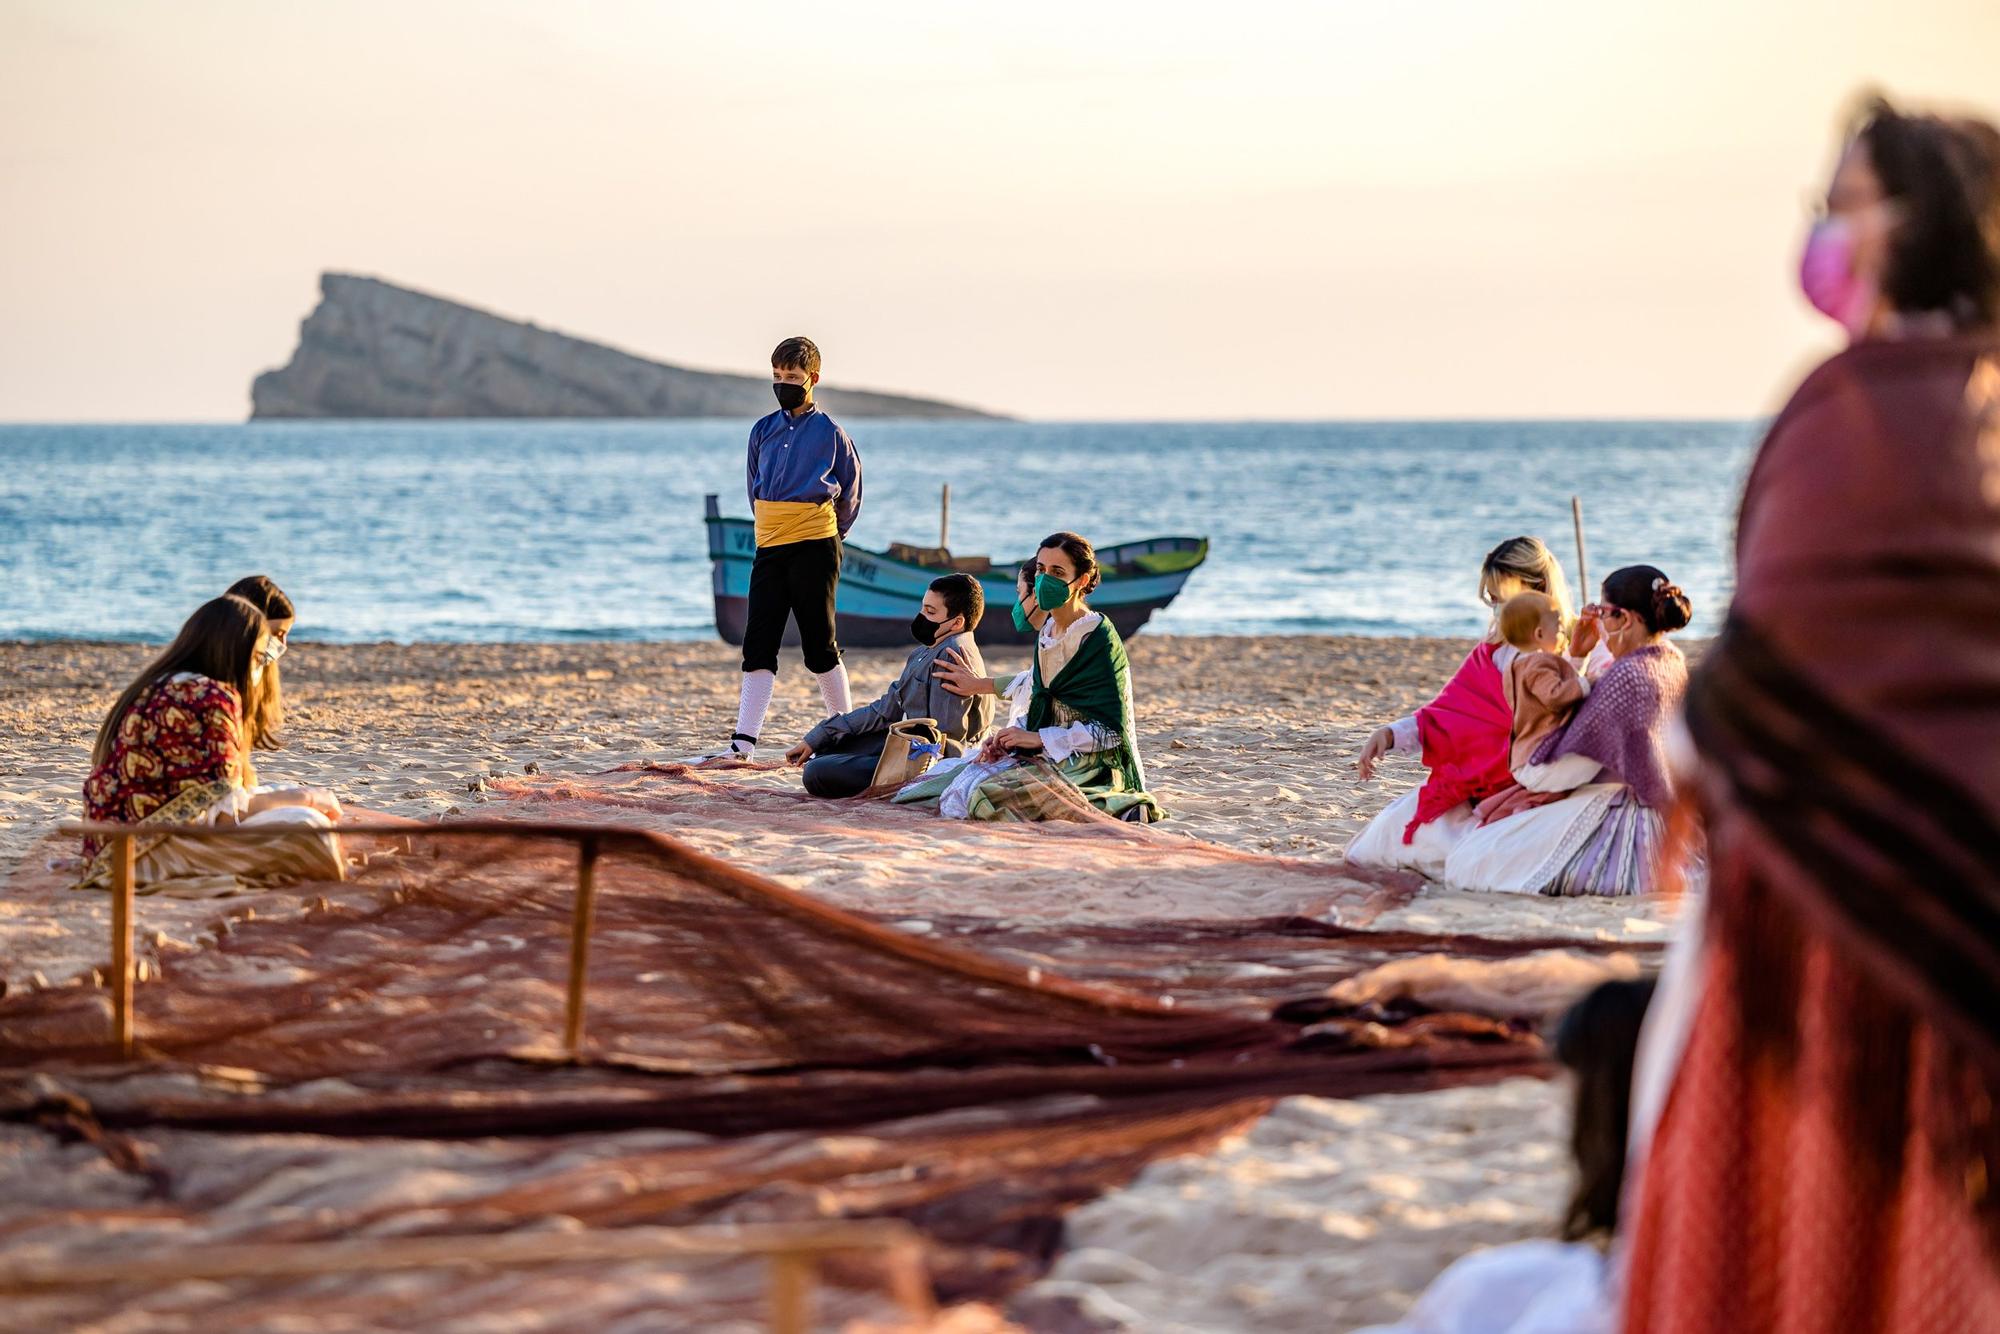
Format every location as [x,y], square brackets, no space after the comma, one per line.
[791,1285]
[121,942]
[579,943]
[1582,566]
[944,518]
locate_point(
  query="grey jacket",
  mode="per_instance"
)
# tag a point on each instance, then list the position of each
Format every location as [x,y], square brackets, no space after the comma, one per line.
[917,694]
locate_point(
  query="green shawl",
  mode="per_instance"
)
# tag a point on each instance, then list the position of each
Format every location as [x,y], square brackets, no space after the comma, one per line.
[1097,685]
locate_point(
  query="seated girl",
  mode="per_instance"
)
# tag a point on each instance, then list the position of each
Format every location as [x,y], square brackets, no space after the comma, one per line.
[174,749]
[1593,818]
[1548,1286]
[1076,747]
[263,712]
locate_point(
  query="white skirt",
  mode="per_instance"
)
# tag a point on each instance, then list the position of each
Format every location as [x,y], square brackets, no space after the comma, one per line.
[1524,853]
[1381,843]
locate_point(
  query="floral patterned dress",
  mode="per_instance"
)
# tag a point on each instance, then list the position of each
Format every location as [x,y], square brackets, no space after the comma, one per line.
[180,743]
[178,758]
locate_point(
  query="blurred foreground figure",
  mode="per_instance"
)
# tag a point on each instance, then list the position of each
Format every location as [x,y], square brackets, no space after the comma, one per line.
[1827,1156]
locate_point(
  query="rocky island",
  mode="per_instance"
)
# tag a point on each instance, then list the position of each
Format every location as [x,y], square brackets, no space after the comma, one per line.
[372,349]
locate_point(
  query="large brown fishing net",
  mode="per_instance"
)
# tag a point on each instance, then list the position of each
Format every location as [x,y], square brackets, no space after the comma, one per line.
[382,1057]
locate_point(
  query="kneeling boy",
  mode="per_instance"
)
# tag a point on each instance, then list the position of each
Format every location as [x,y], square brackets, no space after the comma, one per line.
[841,753]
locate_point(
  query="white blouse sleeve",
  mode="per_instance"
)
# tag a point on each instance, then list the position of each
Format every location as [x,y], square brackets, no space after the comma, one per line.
[1059,743]
[1015,697]
[236,805]
[1405,739]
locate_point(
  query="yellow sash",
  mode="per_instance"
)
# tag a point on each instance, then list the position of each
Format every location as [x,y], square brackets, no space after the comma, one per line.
[783,521]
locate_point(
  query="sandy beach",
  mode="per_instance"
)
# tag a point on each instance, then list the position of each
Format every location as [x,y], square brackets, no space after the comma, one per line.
[1326,1214]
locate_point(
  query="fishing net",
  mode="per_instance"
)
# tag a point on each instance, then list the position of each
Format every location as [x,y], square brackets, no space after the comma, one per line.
[382,1056]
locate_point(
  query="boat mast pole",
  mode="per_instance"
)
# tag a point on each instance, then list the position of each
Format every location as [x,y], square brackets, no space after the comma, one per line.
[944,518]
[1582,565]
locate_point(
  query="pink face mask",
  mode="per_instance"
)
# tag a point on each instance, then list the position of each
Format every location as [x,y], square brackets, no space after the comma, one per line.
[1827,276]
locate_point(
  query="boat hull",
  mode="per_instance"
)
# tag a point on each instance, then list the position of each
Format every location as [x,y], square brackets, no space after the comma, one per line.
[879,594]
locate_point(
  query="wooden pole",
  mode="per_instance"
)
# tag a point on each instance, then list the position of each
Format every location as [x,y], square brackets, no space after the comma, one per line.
[579,944]
[909,1280]
[121,942]
[944,518]
[1582,564]
[791,1293]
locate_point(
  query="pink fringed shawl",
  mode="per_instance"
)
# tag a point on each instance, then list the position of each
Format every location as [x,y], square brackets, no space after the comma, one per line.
[1465,733]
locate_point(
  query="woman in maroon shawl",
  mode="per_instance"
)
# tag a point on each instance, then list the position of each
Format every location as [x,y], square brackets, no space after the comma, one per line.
[1828,1156]
[1462,735]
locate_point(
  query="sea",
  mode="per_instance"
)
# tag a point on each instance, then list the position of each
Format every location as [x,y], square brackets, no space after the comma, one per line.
[578,530]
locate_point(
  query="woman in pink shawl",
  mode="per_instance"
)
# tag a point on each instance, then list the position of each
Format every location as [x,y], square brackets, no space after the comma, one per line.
[1462,735]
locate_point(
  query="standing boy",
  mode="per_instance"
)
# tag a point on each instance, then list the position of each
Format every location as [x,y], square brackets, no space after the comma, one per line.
[805,488]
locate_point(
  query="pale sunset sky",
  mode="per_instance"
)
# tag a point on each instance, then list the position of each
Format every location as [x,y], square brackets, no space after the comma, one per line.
[1077,209]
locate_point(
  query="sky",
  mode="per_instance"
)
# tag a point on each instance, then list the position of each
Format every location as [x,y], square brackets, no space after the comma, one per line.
[1102,210]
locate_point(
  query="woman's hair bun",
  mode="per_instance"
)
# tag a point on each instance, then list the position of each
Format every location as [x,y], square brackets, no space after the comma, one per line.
[1671,608]
[1646,592]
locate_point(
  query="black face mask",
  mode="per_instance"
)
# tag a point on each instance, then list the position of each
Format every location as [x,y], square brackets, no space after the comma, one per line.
[925,630]
[790,396]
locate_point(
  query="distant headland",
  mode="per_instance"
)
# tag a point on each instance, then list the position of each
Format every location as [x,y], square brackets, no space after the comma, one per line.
[372,349]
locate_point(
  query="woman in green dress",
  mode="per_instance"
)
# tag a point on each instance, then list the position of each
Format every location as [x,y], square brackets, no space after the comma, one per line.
[1076,752]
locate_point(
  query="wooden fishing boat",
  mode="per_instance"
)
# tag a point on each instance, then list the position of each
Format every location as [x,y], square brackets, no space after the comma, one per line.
[881,591]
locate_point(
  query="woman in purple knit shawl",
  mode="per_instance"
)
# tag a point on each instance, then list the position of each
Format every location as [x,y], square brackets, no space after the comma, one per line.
[1591,815]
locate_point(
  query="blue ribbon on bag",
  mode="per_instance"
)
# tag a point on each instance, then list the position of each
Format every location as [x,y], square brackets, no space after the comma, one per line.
[930,748]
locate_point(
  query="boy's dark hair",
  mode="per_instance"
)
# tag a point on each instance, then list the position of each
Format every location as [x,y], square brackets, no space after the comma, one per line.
[1598,1039]
[796,354]
[962,597]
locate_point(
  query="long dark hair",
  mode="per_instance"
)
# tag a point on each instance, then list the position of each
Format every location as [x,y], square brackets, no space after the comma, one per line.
[1598,1039]
[218,642]
[264,706]
[1944,174]
[1647,593]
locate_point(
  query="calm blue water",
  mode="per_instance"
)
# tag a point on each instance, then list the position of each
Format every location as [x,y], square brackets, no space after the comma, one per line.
[561,530]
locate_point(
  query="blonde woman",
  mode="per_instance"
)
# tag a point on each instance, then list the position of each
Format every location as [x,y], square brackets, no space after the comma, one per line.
[1462,736]
[174,750]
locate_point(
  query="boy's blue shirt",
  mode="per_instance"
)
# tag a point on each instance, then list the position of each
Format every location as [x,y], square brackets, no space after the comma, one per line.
[805,458]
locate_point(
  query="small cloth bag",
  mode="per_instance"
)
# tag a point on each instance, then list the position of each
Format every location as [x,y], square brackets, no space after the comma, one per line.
[914,745]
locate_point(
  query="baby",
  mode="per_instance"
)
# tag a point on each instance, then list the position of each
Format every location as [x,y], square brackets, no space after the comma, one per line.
[1542,688]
